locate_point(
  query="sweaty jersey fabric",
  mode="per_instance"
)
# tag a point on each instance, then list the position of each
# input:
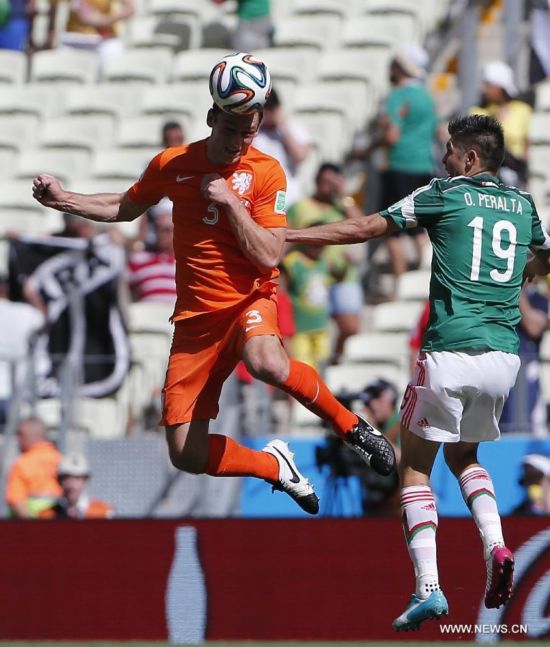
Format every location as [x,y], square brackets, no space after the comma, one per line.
[212,272]
[481,231]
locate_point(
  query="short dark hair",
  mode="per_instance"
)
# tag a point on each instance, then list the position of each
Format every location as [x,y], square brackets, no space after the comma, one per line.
[483,134]
[273,101]
[327,166]
[171,125]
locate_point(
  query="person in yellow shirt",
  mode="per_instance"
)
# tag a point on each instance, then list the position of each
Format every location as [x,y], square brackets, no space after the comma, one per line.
[32,484]
[498,101]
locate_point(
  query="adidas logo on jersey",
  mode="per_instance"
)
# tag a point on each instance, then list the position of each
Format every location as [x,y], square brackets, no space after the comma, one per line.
[423,422]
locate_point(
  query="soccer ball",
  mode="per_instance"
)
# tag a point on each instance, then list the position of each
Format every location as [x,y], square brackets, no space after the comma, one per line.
[240,83]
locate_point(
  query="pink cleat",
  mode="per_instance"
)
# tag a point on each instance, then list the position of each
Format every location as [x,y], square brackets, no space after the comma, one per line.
[500,577]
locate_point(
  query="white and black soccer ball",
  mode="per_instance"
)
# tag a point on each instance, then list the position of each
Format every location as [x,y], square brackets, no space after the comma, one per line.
[240,83]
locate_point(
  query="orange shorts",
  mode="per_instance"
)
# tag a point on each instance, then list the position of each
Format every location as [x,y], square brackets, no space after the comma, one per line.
[205,350]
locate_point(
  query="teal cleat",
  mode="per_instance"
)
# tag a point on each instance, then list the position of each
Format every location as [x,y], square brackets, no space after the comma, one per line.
[419,610]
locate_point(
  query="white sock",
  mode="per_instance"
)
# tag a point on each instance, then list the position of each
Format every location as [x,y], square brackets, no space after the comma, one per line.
[420,526]
[479,494]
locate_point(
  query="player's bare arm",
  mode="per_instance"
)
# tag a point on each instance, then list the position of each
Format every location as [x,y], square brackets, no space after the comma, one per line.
[351,230]
[100,207]
[261,246]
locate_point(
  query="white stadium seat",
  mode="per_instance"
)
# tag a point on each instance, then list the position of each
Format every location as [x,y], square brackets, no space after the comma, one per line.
[64,164]
[414,286]
[362,31]
[329,134]
[408,12]
[150,317]
[34,99]
[324,7]
[539,160]
[119,163]
[397,316]
[317,32]
[190,98]
[298,64]
[78,132]
[542,97]
[539,128]
[67,65]
[142,33]
[17,195]
[391,347]
[13,66]
[18,131]
[196,65]
[7,162]
[144,132]
[149,65]
[119,101]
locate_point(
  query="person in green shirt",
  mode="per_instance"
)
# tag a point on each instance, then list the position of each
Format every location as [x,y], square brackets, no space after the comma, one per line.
[481,232]
[330,203]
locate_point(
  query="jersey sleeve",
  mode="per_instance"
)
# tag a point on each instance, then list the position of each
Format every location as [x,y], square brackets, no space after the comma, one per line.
[148,189]
[539,236]
[397,108]
[16,489]
[269,208]
[422,207]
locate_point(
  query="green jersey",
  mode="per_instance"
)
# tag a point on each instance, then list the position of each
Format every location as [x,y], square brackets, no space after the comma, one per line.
[481,231]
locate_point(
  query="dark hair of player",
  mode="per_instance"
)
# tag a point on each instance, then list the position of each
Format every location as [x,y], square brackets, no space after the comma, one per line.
[482,134]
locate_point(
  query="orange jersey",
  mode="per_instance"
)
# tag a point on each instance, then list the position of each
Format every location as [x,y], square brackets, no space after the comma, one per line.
[212,272]
[34,475]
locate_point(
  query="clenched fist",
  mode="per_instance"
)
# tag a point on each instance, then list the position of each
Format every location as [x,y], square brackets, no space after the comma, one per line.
[48,191]
[214,189]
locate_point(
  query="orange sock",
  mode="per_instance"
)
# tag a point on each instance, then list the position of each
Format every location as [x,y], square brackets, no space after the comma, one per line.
[228,458]
[305,385]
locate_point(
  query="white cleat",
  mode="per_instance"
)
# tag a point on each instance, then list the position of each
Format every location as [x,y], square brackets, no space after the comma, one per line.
[290,479]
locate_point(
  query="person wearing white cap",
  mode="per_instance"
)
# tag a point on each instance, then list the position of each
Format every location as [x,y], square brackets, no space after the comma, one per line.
[406,130]
[73,474]
[535,478]
[499,100]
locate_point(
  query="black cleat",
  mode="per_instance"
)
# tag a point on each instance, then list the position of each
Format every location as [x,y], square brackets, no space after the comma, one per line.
[372,446]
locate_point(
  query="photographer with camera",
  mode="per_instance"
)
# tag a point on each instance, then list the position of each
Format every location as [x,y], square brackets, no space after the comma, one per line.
[379,494]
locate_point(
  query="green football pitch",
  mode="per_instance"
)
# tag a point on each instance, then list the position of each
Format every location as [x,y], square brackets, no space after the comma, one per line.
[445,643]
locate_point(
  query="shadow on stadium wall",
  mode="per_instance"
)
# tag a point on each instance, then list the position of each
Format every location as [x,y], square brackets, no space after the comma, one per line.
[321,579]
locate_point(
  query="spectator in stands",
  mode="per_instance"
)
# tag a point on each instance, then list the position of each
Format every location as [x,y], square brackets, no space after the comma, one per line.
[73,474]
[254,29]
[172,134]
[535,478]
[19,322]
[15,24]
[308,277]
[32,484]
[93,25]
[406,130]
[285,140]
[499,90]
[151,272]
[331,203]
[525,411]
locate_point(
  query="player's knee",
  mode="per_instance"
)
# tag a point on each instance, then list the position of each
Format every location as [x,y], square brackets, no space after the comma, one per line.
[187,461]
[458,460]
[268,367]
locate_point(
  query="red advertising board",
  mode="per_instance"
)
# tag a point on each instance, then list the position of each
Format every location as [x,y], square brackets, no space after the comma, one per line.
[326,579]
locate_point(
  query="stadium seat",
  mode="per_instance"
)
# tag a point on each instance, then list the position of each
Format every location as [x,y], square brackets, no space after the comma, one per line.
[414,286]
[195,65]
[34,99]
[539,128]
[150,317]
[399,316]
[329,135]
[150,354]
[117,100]
[64,164]
[539,160]
[100,418]
[200,10]
[149,65]
[362,31]
[23,221]
[542,97]
[144,132]
[86,132]
[298,64]
[408,12]
[124,164]
[67,65]
[351,378]
[7,162]
[391,347]
[17,195]
[366,64]
[190,98]
[324,8]
[13,66]
[216,33]
[316,32]
[18,131]
[103,185]
[143,33]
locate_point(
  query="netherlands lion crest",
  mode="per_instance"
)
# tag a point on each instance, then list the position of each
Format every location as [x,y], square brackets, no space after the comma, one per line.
[242,182]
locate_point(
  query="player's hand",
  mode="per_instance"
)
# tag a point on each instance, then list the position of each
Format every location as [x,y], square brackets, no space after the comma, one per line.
[47,190]
[214,189]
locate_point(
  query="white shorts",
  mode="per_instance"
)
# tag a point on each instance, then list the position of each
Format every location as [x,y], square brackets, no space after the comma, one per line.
[457,396]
